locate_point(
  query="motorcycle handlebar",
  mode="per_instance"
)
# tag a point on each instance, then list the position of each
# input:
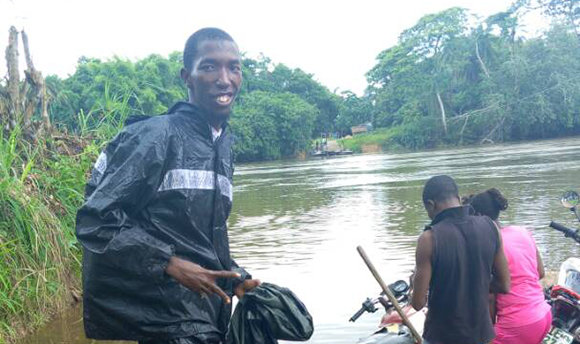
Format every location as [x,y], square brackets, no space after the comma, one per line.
[357,314]
[399,289]
[367,306]
[568,232]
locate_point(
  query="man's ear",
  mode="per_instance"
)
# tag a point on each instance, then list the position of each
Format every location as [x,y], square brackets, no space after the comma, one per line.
[184,75]
[430,205]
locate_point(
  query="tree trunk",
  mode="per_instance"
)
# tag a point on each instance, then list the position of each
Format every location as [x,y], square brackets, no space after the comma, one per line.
[35,79]
[480,60]
[443,117]
[13,80]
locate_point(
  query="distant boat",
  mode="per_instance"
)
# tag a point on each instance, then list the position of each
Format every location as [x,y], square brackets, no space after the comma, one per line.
[330,153]
[345,152]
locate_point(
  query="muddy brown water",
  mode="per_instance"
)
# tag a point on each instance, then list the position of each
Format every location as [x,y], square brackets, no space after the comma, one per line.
[297,223]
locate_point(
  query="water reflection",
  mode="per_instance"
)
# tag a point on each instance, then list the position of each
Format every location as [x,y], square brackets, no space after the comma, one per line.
[297,224]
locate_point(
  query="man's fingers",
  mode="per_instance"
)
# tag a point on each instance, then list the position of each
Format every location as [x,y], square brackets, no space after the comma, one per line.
[204,290]
[217,290]
[225,274]
[254,283]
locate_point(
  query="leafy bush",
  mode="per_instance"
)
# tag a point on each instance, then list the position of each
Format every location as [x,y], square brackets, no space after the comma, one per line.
[272,125]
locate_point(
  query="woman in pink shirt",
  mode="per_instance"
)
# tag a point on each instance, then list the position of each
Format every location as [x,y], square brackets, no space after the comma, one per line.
[523,316]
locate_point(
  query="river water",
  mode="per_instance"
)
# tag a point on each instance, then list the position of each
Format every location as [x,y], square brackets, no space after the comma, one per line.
[297,223]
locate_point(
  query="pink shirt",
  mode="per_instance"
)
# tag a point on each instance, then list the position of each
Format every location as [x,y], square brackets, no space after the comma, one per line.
[525,302]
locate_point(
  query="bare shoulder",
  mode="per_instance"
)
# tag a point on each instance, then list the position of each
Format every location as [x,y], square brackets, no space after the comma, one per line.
[426,235]
[425,241]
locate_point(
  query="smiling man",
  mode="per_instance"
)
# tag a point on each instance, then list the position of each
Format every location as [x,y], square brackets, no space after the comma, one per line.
[156,263]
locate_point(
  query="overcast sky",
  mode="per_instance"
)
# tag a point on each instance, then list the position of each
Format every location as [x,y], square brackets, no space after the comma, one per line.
[337,41]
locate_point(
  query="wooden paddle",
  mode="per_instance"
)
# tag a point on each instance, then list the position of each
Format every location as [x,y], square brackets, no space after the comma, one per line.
[390,295]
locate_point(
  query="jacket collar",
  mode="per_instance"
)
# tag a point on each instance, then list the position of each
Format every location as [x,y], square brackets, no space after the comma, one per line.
[455,212]
[197,115]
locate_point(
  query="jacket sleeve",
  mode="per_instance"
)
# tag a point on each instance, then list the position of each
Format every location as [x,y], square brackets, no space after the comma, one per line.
[244,275]
[107,224]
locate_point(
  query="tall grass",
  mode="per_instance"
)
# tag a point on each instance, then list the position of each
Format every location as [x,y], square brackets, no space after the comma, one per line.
[39,260]
[40,191]
[107,117]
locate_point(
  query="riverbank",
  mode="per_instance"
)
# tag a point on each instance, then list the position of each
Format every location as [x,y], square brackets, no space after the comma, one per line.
[394,139]
[40,190]
[385,140]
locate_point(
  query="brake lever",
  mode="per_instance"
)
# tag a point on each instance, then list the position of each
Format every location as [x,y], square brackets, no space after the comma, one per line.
[385,303]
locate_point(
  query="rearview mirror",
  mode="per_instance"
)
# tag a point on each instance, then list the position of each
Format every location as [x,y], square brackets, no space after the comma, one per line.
[570,199]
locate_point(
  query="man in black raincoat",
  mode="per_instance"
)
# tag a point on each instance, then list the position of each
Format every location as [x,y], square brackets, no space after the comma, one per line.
[156,264]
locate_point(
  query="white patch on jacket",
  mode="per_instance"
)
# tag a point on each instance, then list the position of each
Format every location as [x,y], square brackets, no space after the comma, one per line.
[196,180]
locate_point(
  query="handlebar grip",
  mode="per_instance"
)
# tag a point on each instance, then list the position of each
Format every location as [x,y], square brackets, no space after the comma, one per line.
[561,228]
[357,314]
[568,232]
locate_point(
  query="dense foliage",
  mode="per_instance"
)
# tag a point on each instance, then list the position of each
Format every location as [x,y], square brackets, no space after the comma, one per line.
[451,81]
[272,125]
[278,111]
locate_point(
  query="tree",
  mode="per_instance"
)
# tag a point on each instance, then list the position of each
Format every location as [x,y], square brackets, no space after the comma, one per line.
[271,125]
[353,111]
[567,10]
[20,101]
[420,65]
[485,82]
[263,75]
[151,86]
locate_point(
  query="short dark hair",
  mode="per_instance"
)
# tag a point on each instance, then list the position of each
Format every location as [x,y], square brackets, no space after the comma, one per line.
[205,34]
[440,188]
[489,203]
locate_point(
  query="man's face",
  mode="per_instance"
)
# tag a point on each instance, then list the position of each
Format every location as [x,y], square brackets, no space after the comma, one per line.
[215,77]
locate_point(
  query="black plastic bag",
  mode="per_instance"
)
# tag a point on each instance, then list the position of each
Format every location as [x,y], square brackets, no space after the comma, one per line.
[269,313]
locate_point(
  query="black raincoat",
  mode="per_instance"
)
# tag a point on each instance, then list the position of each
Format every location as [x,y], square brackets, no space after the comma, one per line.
[161,188]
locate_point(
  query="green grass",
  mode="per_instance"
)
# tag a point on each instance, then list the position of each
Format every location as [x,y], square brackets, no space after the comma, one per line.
[39,257]
[381,137]
[41,188]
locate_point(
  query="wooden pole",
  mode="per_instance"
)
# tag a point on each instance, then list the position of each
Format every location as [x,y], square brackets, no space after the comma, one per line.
[390,295]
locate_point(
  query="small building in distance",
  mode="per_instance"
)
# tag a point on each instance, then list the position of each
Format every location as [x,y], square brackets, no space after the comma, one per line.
[361,128]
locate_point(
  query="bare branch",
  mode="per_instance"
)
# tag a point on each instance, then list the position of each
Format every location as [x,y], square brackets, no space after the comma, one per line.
[35,79]
[480,60]
[13,79]
[487,138]
[474,112]
[29,63]
[443,117]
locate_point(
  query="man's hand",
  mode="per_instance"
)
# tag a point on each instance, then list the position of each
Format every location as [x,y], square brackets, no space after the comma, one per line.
[197,278]
[245,286]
